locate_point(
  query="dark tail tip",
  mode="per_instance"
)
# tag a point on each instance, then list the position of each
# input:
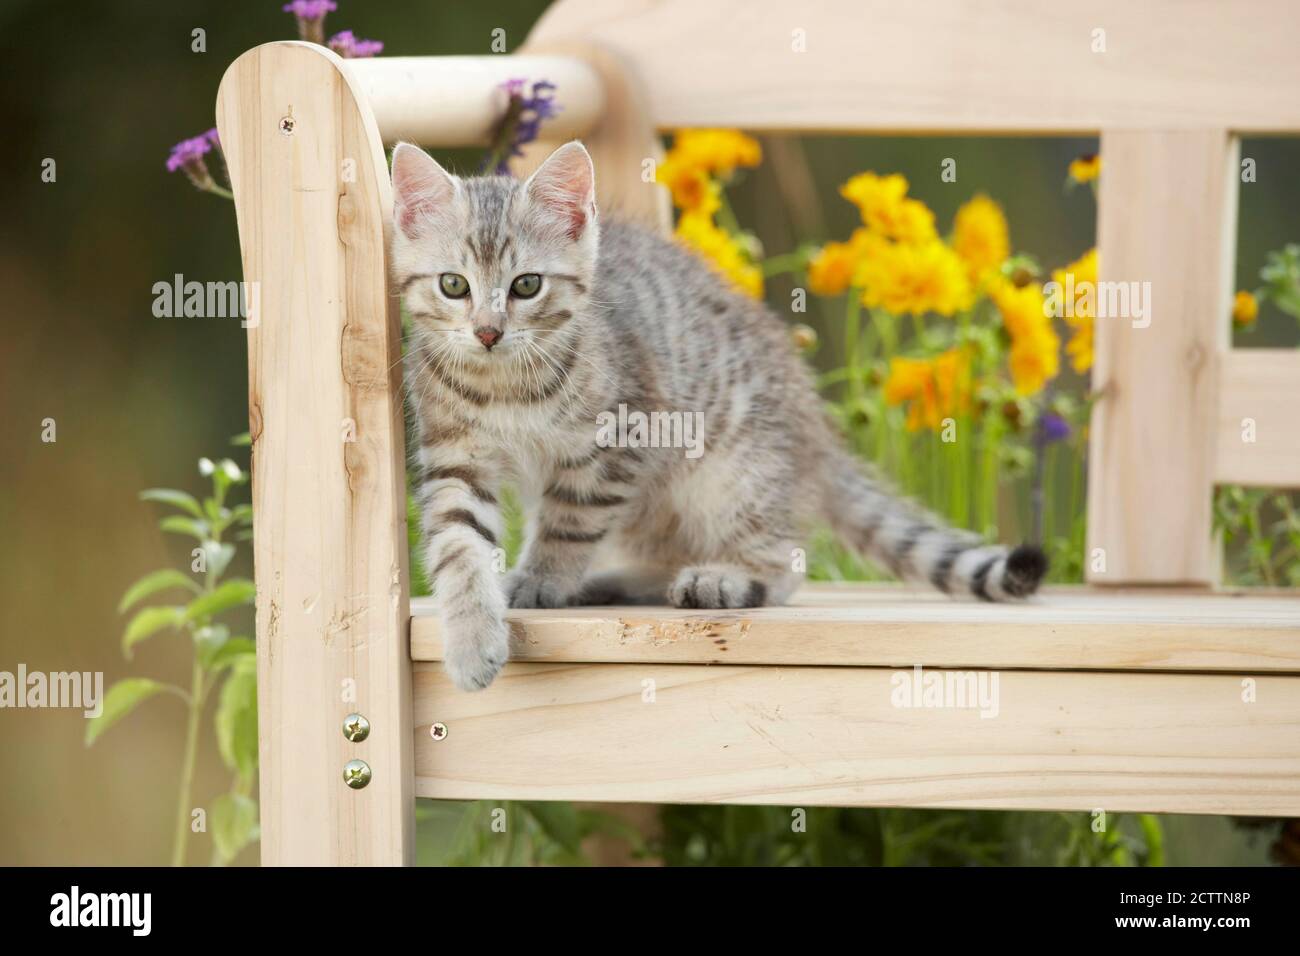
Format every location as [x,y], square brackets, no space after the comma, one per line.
[1026,566]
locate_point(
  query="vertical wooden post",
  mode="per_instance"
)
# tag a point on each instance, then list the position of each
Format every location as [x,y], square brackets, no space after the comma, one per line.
[312,197]
[1167,216]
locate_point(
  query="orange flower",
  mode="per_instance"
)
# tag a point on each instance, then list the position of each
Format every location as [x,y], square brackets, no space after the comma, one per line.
[885,209]
[1245,308]
[934,389]
[980,236]
[1082,276]
[915,279]
[1035,347]
[1085,169]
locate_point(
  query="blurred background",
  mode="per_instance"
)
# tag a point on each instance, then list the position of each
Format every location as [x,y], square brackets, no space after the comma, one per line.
[105,90]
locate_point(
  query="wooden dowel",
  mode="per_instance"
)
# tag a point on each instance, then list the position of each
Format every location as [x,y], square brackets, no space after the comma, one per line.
[456,100]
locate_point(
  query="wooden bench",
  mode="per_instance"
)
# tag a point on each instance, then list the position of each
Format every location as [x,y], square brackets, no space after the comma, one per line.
[1145,691]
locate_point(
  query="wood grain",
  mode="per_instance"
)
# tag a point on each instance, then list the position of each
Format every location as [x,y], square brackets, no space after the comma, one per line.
[329,516]
[1067,628]
[1161,743]
[1167,218]
[456,100]
[1262,385]
[951,66]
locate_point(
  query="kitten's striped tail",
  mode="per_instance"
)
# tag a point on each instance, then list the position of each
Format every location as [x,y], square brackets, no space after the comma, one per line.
[917,546]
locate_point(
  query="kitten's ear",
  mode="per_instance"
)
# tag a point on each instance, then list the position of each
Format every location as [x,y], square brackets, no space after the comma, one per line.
[565,186]
[421,188]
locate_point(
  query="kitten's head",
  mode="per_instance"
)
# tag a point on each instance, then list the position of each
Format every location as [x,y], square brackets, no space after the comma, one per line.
[485,263]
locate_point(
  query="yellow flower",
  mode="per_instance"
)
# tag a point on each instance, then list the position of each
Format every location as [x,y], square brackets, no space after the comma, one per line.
[885,208]
[934,389]
[900,278]
[1035,347]
[1245,308]
[835,266]
[1085,168]
[1034,360]
[721,250]
[690,186]
[1081,278]
[716,151]
[831,270]
[980,236]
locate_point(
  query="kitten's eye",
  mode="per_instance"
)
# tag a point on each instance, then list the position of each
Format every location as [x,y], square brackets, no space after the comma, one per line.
[453,285]
[526,285]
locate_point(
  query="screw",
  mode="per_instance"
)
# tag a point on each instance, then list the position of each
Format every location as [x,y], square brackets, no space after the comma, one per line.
[356,728]
[286,125]
[356,774]
[438,731]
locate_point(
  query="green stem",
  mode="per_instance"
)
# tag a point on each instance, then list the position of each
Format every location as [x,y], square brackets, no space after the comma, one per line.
[789,262]
[512,821]
[726,216]
[852,320]
[220,191]
[187,763]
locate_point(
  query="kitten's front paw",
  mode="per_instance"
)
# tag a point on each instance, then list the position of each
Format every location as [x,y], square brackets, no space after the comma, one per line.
[529,589]
[476,648]
[716,588]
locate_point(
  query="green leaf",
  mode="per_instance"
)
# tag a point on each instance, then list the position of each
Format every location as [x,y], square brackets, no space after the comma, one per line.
[217,557]
[234,824]
[209,639]
[244,440]
[148,622]
[559,822]
[228,594]
[236,719]
[153,583]
[120,700]
[230,654]
[177,499]
[179,524]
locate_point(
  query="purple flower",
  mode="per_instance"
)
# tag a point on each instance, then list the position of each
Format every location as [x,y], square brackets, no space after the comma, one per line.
[188,157]
[311,18]
[1052,428]
[189,151]
[346,45]
[522,121]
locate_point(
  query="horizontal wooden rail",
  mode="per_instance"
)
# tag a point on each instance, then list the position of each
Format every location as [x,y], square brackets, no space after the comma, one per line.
[1118,700]
[1068,628]
[800,736]
[950,66]
[456,100]
[1258,437]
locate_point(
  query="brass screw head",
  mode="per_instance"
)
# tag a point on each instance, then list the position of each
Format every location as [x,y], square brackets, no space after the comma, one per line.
[356,774]
[438,731]
[356,728]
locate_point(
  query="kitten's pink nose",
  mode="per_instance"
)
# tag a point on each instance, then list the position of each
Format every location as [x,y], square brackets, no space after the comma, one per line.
[489,337]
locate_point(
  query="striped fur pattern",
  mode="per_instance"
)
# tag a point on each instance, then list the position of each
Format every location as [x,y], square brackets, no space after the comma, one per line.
[622,318]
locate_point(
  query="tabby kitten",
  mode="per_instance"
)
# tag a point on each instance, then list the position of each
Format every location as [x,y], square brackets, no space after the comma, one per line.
[533,325]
